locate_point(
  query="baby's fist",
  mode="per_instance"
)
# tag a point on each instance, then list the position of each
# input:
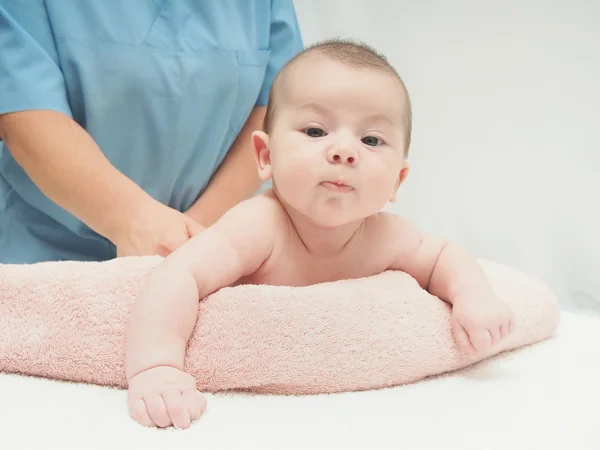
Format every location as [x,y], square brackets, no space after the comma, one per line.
[480,321]
[164,396]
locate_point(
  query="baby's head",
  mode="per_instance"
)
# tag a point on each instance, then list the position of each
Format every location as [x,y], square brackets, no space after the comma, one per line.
[336,134]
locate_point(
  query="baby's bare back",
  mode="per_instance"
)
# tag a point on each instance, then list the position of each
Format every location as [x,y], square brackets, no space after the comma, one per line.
[291,263]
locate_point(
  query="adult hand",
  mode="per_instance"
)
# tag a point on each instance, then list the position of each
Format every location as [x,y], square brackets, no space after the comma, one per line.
[155,230]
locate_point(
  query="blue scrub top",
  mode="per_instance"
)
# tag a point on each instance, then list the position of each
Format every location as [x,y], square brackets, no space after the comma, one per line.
[163,87]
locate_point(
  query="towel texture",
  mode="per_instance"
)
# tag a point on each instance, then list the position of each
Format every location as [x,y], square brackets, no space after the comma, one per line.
[67,320]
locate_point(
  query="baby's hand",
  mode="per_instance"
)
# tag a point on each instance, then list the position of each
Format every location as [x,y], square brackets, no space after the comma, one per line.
[480,321]
[164,396]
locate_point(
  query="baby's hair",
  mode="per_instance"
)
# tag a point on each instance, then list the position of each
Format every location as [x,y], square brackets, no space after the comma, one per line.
[353,53]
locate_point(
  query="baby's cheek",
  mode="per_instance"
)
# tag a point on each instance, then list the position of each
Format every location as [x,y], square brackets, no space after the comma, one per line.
[381,179]
[290,179]
[380,189]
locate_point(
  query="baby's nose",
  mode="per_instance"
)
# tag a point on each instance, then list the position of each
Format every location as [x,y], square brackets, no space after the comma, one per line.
[343,156]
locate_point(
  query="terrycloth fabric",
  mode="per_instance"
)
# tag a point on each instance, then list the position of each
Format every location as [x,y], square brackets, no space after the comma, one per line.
[66,320]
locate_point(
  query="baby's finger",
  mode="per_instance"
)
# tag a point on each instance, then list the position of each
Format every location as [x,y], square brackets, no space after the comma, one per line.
[196,403]
[503,331]
[158,410]
[139,413]
[495,334]
[462,338]
[480,338]
[177,408]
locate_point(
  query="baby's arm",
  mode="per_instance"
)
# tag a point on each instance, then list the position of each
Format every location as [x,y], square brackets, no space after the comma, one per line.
[164,315]
[479,318]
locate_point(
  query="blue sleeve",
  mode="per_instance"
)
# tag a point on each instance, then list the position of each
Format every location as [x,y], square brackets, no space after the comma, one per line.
[30,76]
[285,42]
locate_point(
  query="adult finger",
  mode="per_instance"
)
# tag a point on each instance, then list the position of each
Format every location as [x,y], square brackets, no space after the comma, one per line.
[193,227]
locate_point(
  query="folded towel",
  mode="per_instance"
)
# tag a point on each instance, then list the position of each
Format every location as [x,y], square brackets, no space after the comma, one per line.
[67,320]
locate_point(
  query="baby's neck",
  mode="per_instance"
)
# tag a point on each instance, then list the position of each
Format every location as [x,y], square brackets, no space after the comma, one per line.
[322,241]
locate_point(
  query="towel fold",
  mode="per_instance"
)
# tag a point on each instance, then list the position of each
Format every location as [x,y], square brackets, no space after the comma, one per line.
[67,320]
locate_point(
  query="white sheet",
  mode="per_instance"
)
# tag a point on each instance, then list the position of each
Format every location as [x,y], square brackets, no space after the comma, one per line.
[541,397]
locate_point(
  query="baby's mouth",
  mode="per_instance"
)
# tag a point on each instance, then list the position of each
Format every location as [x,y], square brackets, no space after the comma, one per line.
[336,186]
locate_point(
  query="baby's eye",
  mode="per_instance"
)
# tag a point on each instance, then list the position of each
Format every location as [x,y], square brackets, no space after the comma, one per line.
[314,132]
[371,140]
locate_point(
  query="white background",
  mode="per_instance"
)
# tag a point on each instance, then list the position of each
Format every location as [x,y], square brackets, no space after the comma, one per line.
[506,143]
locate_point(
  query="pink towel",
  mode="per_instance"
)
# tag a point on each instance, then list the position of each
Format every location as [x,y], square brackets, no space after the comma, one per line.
[66,320]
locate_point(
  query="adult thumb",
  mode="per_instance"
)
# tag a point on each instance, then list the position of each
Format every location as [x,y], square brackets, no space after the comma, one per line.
[193,227]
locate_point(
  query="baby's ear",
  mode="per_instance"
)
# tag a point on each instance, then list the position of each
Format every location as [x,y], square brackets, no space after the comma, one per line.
[401,177]
[262,154]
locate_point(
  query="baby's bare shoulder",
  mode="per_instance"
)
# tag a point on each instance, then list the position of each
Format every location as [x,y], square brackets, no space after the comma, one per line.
[392,233]
[391,225]
[268,205]
[262,214]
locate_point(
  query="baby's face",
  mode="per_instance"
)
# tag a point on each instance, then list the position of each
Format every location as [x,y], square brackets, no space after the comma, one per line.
[336,146]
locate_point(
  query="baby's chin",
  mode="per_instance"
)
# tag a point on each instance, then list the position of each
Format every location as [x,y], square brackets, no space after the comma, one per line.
[333,218]
[333,223]
[325,212]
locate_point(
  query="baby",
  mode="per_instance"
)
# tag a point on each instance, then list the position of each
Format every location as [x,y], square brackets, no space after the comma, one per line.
[337,133]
